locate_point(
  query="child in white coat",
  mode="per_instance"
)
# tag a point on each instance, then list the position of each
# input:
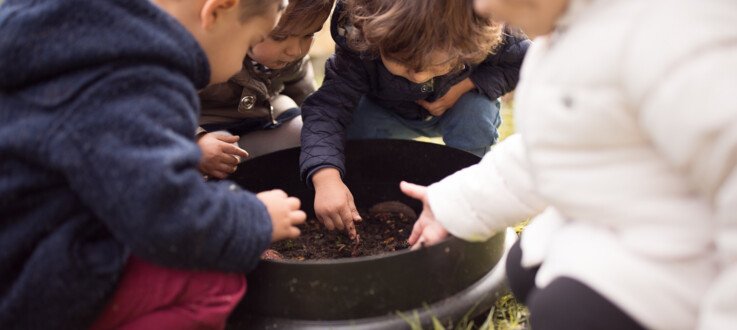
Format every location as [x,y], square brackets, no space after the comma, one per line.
[626,162]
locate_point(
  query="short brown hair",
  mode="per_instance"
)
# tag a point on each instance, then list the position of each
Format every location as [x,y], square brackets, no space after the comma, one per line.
[251,8]
[408,30]
[300,15]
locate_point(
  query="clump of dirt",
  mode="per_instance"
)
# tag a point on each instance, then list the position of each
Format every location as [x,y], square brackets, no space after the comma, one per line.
[385,228]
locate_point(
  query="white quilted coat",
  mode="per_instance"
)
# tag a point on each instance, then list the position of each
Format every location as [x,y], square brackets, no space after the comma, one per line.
[626,160]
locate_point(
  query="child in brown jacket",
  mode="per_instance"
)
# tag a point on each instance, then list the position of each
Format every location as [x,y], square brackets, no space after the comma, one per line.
[259,107]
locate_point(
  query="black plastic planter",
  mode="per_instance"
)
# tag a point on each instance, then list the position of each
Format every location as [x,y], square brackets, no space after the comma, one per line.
[446,281]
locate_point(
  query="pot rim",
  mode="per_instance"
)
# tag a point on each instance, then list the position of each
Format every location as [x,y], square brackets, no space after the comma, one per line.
[440,245]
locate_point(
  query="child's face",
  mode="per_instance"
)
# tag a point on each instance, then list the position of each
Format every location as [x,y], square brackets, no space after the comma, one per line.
[226,39]
[442,67]
[534,17]
[278,49]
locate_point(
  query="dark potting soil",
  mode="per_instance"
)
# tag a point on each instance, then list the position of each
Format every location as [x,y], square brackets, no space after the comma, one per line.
[385,228]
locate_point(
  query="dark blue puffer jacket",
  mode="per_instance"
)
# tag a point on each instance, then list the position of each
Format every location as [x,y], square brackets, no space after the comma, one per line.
[98,109]
[350,75]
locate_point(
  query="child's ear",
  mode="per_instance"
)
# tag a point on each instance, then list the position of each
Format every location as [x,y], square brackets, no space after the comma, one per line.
[213,10]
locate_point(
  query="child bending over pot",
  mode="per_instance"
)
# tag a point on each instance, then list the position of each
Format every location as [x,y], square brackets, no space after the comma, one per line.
[404,69]
[257,110]
[626,160]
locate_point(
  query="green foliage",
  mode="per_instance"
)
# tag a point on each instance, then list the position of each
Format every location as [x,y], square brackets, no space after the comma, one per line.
[506,314]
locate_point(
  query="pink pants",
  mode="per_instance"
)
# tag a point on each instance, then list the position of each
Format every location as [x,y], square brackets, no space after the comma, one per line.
[153,297]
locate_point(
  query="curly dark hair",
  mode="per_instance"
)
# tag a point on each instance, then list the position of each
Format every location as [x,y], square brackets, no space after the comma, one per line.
[407,31]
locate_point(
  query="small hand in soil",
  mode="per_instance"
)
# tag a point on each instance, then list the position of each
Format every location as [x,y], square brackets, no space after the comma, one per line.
[384,229]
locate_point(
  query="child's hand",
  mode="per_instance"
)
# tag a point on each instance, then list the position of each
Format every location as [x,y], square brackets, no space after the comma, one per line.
[334,205]
[220,155]
[438,107]
[427,230]
[285,213]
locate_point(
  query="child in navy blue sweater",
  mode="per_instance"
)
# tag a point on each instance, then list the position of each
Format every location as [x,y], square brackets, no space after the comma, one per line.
[101,202]
[404,69]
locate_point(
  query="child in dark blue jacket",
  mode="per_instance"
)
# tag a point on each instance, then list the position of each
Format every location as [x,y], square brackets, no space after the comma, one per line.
[101,202]
[404,69]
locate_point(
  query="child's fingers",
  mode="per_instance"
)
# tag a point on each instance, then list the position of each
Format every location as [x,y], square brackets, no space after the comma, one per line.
[424,104]
[227,159]
[293,232]
[348,225]
[277,193]
[326,222]
[293,203]
[218,174]
[227,138]
[416,232]
[420,243]
[413,190]
[235,151]
[298,217]
[337,221]
[225,168]
[354,212]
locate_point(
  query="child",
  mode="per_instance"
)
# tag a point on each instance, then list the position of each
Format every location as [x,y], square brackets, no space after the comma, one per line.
[101,202]
[409,68]
[260,103]
[633,188]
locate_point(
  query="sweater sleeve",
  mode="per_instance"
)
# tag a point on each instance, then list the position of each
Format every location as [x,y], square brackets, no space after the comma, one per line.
[328,112]
[685,93]
[132,160]
[499,73]
[479,201]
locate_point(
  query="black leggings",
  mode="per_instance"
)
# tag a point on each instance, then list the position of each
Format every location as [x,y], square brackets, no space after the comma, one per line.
[565,303]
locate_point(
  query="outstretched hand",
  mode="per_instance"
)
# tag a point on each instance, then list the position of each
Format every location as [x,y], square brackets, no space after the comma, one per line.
[427,230]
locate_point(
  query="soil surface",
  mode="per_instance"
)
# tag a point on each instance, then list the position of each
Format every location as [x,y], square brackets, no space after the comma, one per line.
[385,228]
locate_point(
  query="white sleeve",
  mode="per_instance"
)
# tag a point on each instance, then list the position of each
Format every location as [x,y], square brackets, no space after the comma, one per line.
[481,200]
[689,110]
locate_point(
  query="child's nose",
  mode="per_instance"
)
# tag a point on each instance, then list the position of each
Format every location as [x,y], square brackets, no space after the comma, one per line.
[293,48]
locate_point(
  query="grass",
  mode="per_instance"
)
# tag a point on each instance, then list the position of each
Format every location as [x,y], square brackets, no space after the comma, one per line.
[506,314]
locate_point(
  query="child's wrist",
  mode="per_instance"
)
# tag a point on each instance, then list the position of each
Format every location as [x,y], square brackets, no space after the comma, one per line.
[325,175]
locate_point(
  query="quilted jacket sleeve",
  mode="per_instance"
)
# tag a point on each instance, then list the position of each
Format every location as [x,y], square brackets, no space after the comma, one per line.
[499,73]
[328,111]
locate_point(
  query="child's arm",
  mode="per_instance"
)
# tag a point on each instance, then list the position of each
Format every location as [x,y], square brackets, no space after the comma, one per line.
[301,82]
[326,114]
[479,201]
[133,161]
[682,83]
[499,73]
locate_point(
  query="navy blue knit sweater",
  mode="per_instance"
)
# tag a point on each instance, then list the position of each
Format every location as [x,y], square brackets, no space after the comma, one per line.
[98,110]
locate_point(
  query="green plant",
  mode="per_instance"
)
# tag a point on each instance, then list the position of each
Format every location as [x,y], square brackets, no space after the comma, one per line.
[506,314]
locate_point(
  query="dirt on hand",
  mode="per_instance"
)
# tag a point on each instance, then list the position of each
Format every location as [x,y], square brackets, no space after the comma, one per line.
[385,228]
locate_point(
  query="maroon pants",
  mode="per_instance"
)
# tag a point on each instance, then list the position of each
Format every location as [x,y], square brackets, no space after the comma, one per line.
[153,297]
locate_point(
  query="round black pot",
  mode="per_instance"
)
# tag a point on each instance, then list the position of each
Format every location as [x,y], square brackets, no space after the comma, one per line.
[447,281]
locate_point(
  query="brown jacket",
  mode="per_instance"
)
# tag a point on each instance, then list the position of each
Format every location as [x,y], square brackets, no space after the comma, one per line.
[248,94]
